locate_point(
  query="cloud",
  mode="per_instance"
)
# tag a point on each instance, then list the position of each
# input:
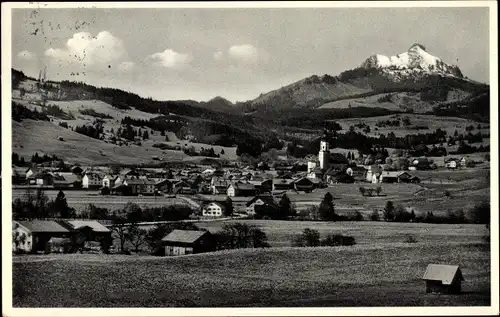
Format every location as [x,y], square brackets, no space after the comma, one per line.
[27,55]
[83,48]
[245,53]
[170,59]
[126,66]
[218,55]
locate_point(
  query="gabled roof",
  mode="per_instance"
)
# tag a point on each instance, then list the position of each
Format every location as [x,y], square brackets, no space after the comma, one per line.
[243,186]
[268,199]
[94,225]
[443,273]
[283,181]
[184,236]
[42,226]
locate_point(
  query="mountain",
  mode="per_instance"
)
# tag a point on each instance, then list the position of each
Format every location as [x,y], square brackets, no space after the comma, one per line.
[217,104]
[416,79]
[415,62]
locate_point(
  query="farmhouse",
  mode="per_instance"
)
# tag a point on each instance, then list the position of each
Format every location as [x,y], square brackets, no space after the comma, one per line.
[140,186]
[18,175]
[181,242]
[43,178]
[282,184]
[303,184]
[212,209]
[315,173]
[164,185]
[262,185]
[395,177]
[441,278]
[421,163]
[219,185]
[373,174]
[91,180]
[91,229]
[108,181]
[338,177]
[37,234]
[452,163]
[241,189]
[260,201]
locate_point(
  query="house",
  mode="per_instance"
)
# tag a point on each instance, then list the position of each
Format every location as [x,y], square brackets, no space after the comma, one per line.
[37,234]
[303,184]
[93,229]
[394,177]
[241,189]
[219,185]
[18,175]
[140,186]
[30,172]
[212,209]
[282,184]
[44,179]
[109,181]
[452,163]
[315,173]
[339,177]
[164,185]
[466,162]
[128,173]
[421,163]
[181,187]
[77,170]
[181,242]
[440,278]
[262,185]
[373,173]
[91,180]
[260,201]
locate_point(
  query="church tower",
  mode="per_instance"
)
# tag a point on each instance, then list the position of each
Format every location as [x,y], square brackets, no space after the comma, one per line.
[324,151]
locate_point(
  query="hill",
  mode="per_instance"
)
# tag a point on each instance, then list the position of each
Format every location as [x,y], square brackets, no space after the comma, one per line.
[362,275]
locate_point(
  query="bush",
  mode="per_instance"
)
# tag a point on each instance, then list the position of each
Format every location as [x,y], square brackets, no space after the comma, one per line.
[374,216]
[480,213]
[333,240]
[308,238]
[410,239]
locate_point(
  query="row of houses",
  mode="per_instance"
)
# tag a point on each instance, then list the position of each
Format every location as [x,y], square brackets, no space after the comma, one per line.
[38,235]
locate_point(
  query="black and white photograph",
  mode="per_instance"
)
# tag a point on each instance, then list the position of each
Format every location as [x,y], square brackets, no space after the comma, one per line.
[250,155]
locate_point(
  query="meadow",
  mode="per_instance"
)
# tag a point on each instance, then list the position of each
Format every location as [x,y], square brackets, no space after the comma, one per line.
[363,275]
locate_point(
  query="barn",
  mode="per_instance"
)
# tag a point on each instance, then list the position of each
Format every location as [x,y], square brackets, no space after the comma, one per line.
[181,242]
[444,279]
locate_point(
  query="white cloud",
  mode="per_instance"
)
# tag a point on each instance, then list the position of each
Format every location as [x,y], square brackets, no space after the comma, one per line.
[26,55]
[170,59]
[245,53]
[83,48]
[218,55]
[126,66]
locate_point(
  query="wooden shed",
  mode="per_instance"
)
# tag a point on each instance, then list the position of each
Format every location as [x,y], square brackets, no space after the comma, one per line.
[444,279]
[181,242]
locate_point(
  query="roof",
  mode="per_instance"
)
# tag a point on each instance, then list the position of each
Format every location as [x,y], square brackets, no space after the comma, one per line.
[243,186]
[268,199]
[184,236]
[95,225]
[443,273]
[391,173]
[21,171]
[283,181]
[42,226]
[134,181]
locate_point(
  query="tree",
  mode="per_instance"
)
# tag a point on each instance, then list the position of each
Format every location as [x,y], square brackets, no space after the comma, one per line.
[378,190]
[18,239]
[369,191]
[119,228]
[308,238]
[222,152]
[241,235]
[284,207]
[136,236]
[145,135]
[480,213]
[389,211]
[60,206]
[374,216]
[327,208]
[228,210]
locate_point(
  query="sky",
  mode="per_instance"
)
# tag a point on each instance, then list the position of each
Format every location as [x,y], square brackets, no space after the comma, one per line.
[236,53]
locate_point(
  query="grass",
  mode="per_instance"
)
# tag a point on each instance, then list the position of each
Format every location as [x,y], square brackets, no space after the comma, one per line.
[362,275]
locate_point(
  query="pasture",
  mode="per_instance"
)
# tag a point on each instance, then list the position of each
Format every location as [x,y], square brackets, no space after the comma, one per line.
[387,274]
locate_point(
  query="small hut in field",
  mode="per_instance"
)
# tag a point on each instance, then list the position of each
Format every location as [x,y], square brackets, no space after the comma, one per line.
[443,279]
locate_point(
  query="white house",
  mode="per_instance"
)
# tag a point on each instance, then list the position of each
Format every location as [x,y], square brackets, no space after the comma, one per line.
[452,164]
[108,181]
[212,209]
[91,180]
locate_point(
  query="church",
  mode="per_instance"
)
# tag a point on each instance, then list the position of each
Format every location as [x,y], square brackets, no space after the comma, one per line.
[316,169]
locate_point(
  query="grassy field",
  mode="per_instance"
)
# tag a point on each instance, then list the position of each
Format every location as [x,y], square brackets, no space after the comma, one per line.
[363,275]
